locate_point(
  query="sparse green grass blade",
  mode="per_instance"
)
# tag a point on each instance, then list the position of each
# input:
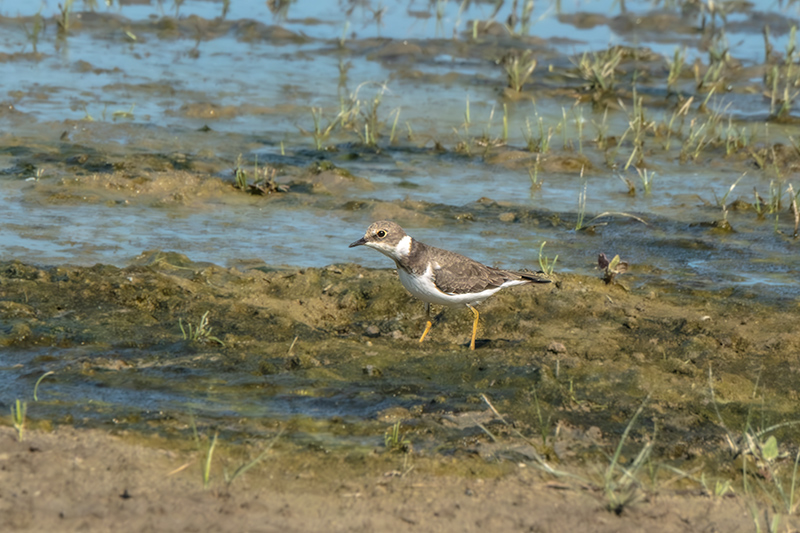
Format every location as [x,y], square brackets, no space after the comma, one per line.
[247,466]
[36,387]
[395,441]
[647,179]
[581,207]
[544,262]
[621,491]
[64,20]
[539,460]
[619,213]
[612,466]
[207,463]
[240,175]
[543,424]
[19,413]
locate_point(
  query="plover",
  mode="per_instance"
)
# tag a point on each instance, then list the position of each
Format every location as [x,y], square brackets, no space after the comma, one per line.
[438,276]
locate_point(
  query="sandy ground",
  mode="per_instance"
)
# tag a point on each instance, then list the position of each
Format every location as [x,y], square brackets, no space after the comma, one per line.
[88,480]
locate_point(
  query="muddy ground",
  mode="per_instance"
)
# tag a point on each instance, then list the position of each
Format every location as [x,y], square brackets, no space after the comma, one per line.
[565,366]
[74,480]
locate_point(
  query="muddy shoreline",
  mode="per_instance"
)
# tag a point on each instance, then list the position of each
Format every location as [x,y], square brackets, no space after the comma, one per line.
[327,360]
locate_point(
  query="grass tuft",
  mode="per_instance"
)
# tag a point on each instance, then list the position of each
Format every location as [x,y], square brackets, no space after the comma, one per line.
[63,21]
[647,179]
[200,333]
[598,70]
[395,441]
[518,68]
[544,261]
[320,133]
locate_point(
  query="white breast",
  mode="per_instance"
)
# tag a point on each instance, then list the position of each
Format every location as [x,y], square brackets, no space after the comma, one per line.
[422,287]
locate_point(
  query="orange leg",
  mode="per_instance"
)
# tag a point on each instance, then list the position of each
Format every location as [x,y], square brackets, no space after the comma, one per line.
[474,327]
[428,323]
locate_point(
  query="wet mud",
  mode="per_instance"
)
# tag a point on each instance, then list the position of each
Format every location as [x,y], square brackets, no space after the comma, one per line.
[580,354]
[557,380]
[656,390]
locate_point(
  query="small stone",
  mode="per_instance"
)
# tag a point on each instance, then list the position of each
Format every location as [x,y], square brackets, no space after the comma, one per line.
[556,347]
[372,371]
[595,433]
[372,331]
[507,217]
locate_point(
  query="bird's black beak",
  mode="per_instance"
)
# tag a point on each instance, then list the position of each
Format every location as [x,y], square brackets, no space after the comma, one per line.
[359,242]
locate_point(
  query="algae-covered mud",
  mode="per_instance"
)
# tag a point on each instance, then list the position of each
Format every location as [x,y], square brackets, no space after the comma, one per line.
[321,364]
[179,309]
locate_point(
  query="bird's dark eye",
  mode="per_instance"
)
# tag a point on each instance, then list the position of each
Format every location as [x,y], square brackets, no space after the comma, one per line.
[381,233]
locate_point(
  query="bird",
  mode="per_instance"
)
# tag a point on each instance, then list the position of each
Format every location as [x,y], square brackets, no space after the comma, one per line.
[438,276]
